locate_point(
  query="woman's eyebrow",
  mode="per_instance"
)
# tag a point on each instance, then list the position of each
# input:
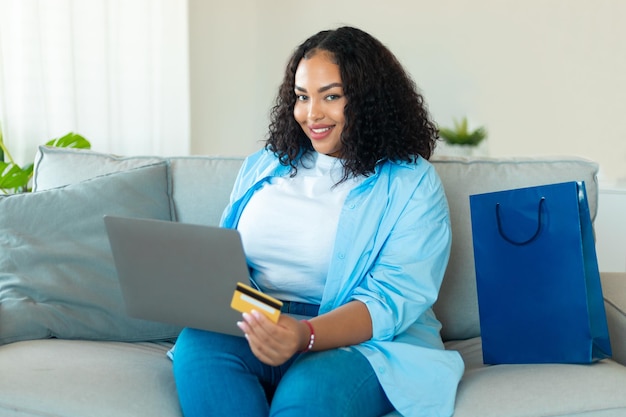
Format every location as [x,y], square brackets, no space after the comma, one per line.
[321,89]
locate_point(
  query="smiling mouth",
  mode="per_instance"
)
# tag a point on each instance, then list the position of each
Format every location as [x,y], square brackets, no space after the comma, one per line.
[318,133]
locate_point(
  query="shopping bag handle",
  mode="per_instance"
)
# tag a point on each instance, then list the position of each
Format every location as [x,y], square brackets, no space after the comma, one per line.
[514,242]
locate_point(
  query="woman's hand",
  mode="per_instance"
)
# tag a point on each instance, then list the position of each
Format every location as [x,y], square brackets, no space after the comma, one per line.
[274,343]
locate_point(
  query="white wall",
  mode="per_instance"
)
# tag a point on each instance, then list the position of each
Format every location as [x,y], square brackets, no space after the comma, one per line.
[544,76]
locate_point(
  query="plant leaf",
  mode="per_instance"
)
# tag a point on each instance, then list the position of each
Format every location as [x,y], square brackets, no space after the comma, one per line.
[460,135]
[12,177]
[71,140]
[461,126]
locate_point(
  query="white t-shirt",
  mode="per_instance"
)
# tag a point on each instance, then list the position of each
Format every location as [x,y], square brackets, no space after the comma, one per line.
[288,229]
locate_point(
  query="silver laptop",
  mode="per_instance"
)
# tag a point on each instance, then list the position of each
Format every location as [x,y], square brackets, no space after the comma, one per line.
[178,273]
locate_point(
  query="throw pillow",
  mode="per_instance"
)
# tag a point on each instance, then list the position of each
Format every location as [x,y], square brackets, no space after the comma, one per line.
[57,276]
[56,167]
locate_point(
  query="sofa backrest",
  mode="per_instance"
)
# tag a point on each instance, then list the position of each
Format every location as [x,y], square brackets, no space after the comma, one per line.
[457,307]
[200,199]
[201,186]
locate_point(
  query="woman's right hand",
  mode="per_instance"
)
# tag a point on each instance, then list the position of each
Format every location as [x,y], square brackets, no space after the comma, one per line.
[274,343]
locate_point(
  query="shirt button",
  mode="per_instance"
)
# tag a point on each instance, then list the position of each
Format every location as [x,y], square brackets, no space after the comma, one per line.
[341,255]
[381,369]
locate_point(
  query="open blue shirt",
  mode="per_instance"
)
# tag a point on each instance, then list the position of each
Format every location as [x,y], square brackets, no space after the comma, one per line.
[391,251]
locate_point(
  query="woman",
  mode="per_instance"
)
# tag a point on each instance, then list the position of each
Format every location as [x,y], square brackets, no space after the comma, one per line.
[344,220]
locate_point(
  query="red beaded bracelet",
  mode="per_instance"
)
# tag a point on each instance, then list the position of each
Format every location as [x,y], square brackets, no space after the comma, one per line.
[311,338]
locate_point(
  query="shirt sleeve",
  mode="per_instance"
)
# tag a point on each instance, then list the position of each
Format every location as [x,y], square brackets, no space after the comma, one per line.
[403,281]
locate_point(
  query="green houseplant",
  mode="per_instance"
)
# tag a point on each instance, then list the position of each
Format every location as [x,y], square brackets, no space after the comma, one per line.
[461,135]
[15,178]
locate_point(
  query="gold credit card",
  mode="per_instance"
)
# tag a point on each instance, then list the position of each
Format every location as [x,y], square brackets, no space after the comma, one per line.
[245,299]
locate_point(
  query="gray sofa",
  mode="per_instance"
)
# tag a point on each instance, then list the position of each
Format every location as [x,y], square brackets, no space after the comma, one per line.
[68,349]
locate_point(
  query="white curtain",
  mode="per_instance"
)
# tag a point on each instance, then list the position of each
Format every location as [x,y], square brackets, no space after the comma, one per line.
[114,71]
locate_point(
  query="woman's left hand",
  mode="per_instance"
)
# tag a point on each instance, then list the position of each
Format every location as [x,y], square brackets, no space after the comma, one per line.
[273,343]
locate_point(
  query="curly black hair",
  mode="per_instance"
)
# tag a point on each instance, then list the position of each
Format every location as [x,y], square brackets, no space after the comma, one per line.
[385,116]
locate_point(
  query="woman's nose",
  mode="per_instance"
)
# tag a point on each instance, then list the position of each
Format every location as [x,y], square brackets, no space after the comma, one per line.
[315,111]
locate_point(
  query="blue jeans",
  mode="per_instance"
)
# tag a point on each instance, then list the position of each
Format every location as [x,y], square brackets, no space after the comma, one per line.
[217,375]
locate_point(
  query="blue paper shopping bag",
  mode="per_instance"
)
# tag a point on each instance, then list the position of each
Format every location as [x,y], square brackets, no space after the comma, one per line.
[539,292]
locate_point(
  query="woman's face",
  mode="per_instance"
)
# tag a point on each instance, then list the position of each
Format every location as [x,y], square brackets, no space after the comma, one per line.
[320,102]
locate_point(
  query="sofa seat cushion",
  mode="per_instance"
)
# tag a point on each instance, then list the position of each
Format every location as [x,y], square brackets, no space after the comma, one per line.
[550,390]
[64,378]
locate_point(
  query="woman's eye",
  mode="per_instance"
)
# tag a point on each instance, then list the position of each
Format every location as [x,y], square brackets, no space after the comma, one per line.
[332,97]
[301,97]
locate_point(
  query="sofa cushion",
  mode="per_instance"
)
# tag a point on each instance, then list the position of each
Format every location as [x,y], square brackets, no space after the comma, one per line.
[201,185]
[132,379]
[537,389]
[63,378]
[457,307]
[57,276]
[56,167]
[614,288]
